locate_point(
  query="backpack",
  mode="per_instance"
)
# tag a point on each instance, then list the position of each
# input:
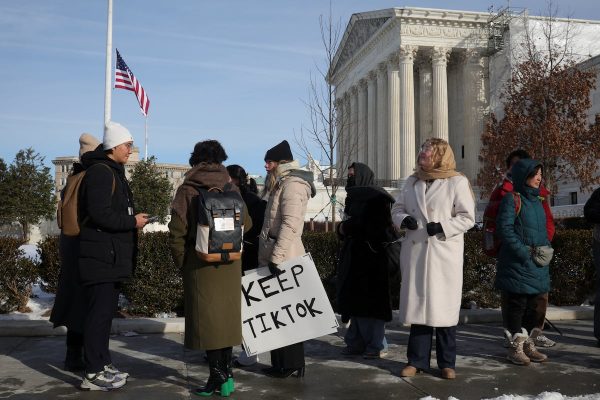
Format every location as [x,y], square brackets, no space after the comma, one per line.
[219,235]
[491,242]
[67,210]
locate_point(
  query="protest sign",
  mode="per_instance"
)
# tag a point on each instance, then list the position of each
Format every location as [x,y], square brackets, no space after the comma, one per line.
[285,309]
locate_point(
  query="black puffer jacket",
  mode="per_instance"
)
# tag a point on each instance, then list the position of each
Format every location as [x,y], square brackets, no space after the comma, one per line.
[108,237]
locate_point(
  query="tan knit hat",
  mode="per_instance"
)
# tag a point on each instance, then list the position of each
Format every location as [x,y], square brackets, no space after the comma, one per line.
[87,143]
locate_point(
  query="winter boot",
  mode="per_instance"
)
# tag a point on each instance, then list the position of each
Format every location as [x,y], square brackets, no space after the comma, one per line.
[74,359]
[515,351]
[530,350]
[217,380]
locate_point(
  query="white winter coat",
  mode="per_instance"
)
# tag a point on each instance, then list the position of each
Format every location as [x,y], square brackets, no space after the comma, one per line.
[432,266]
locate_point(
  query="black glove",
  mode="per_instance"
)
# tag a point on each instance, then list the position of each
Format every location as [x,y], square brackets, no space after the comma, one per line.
[433,228]
[409,223]
[273,269]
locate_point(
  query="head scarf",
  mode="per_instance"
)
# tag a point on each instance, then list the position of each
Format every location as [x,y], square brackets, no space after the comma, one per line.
[444,165]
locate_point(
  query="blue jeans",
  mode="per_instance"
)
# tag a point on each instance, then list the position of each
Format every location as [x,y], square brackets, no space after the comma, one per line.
[366,335]
[419,346]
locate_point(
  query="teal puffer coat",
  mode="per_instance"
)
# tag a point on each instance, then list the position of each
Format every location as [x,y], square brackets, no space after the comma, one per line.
[516,272]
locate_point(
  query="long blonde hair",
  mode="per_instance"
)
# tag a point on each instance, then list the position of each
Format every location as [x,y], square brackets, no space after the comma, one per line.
[271,178]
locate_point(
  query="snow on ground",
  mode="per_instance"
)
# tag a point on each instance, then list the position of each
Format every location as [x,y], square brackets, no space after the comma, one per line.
[541,396]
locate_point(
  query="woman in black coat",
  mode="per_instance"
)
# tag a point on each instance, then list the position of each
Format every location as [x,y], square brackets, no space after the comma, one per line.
[256,209]
[367,258]
[69,304]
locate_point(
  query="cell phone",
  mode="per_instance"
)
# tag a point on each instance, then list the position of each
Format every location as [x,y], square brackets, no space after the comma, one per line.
[151,219]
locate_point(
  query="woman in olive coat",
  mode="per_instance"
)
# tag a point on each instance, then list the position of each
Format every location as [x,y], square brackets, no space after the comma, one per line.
[212,291]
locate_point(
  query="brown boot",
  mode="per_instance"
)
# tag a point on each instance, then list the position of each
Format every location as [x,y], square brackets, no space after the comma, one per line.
[408,371]
[448,373]
[530,350]
[515,351]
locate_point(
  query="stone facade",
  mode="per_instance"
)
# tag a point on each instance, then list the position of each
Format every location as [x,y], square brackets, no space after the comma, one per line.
[63,166]
[428,73]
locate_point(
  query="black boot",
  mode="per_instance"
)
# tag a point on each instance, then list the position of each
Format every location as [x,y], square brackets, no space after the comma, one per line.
[227,357]
[74,359]
[217,380]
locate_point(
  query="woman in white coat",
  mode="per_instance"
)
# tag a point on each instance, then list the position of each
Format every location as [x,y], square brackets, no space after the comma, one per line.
[436,207]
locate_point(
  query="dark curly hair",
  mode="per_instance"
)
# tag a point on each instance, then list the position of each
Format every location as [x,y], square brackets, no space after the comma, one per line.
[246,184]
[208,151]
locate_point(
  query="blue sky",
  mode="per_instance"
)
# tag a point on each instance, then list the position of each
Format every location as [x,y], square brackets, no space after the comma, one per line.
[235,71]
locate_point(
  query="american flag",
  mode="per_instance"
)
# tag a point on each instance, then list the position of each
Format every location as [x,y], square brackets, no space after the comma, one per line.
[124,79]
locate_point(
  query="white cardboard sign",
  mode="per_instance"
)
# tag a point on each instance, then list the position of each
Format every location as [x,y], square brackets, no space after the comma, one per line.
[281,310]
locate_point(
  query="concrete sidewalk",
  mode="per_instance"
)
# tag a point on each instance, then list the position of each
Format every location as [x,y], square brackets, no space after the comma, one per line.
[162,369]
[176,325]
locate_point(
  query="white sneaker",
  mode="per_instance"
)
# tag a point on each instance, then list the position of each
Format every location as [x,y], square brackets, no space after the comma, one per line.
[543,341]
[113,370]
[103,381]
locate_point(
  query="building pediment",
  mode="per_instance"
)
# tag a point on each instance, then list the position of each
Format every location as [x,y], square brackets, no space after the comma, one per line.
[360,29]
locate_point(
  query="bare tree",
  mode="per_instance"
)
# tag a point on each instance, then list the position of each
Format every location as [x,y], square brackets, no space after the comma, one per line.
[328,124]
[545,110]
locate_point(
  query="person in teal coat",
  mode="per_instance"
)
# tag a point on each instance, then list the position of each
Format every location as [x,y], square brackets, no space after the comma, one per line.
[521,227]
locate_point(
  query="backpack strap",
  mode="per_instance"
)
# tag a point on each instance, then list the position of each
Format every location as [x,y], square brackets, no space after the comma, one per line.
[517,200]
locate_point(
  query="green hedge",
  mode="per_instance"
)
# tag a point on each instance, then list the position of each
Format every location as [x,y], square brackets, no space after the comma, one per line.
[49,264]
[157,283]
[17,275]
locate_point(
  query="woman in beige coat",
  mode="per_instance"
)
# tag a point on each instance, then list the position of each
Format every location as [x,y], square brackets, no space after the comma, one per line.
[289,190]
[212,291]
[437,207]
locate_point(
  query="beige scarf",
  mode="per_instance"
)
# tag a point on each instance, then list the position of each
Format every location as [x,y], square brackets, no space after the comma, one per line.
[444,168]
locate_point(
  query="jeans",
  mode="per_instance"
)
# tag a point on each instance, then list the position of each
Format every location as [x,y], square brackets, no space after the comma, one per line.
[419,346]
[366,335]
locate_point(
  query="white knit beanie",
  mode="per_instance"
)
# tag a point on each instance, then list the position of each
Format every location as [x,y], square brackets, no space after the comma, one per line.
[114,135]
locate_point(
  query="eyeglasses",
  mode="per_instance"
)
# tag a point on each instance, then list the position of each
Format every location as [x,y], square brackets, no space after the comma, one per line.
[128,145]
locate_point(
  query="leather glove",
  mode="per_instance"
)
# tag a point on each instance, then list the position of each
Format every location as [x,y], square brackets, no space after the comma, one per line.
[433,228]
[273,269]
[409,223]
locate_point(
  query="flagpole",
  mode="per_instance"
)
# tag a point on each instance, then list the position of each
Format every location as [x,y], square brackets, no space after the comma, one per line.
[108,74]
[146,138]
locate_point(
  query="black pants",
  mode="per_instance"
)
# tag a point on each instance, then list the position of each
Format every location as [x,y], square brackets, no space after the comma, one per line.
[288,357]
[74,339]
[520,311]
[102,300]
[419,346]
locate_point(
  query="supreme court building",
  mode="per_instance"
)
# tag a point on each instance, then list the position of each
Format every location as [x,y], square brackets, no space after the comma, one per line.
[402,75]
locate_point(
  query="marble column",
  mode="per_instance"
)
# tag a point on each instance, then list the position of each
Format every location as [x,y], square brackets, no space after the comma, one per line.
[353,137]
[362,148]
[439,61]
[475,103]
[339,132]
[393,117]
[372,122]
[407,110]
[425,101]
[382,133]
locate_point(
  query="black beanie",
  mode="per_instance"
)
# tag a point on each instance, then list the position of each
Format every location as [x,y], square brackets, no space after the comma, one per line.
[280,152]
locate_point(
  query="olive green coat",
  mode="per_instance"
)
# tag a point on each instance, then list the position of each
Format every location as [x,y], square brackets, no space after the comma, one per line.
[212,292]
